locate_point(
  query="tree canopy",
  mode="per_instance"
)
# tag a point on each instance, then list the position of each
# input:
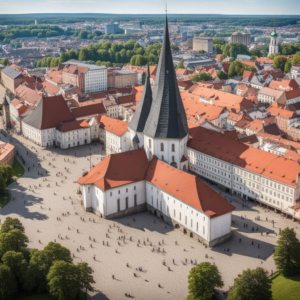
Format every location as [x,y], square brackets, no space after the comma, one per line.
[221,75]
[203,280]
[201,77]
[180,65]
[233,49]
[287,253]
[237,69]
[279,62]
[251,285]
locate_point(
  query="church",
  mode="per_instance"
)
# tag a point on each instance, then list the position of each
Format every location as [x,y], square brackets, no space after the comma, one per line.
[153,176]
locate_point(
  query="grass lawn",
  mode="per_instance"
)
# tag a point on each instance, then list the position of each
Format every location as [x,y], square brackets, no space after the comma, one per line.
[286,288]
[18,169]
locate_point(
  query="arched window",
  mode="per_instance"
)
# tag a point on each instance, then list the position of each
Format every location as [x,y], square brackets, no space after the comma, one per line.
[173,148]
[161,147]
[150,143]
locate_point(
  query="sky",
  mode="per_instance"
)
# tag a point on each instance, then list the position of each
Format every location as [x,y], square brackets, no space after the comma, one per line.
[239,7]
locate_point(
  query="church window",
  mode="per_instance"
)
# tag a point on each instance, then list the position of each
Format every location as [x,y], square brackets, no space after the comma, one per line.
[173,148]
[118,204]
[161,147]
[135,200]
[126,200]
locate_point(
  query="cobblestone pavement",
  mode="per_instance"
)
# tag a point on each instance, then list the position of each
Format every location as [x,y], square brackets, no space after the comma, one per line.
[38,209]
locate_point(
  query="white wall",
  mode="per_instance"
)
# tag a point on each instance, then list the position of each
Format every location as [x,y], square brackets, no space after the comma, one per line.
[219,226]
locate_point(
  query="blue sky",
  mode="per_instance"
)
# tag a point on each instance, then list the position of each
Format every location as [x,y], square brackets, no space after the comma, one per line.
[252,7]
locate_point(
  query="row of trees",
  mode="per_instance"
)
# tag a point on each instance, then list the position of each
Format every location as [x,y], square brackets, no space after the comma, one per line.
[111,53]
[237,68]
[6,175]
[49,270]
[251,284]
[284,63]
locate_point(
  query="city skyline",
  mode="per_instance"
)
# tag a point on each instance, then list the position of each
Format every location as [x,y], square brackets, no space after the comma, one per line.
[230,7]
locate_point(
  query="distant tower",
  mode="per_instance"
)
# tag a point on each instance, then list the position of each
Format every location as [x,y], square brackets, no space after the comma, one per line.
[35,22]
[6,113]
[273,48]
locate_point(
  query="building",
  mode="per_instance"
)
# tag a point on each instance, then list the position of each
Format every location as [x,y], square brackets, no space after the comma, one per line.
[113,29]
[122,78]
[242,38]
[269,96]
[89,78]
[7,154]
[273,48]
[202,43]
[295,72]
[11,78]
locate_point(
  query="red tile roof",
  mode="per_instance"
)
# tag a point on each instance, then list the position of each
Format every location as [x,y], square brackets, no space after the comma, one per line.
[88,110]
[126,99]
[275,111]
[258,161]
[113,171]
[112,125]
[292,94]
[69,126]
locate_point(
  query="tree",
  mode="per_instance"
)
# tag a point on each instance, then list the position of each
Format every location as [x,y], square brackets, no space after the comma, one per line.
[201,77]
[4,62]
[84,276]
[63,280]
[233,49]
[287,253]
[221,75]
[251,285]
[10,224]
[8,283]
[181,65]
[237,69]
[255,52]
[203,280]
[174,47]
[273,55]
[83,54]
[279,62]
[2,185]
[58,252]
[83,34]
[17,264]
[14,240]
[7,172]
[253,57]
[219,41]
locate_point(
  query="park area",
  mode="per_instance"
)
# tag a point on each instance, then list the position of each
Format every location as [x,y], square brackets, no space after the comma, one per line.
[285,288]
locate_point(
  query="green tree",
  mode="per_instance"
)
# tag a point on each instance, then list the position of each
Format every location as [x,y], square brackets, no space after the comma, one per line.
[253,57]
[233,49]
[17,264]
[201,77]
[2,185]
[272,56]
[7,172]
[251,285]
[4,62]
[14,240]
[181,65]
[85,277]
[83,54]
[8,283]
[58,252]
[219,41]
[63,281]
[255,52]
[287,253]
[201,51]
[279,62]
[10,224]
[83,34]
[221,75]
[203,280]
[174,47]
[237,69]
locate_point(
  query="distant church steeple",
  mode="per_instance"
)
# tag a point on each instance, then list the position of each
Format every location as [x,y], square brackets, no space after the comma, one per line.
[273,48]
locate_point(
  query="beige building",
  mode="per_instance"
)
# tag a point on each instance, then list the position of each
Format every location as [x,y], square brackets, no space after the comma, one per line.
[121,78]
[242,38]
[202,43]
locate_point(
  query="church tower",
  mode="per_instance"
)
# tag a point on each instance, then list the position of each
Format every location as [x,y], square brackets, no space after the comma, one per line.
[6,113]
[273,48]
[166,129]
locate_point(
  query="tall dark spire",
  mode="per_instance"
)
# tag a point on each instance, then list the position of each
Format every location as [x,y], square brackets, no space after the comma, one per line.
[167,118]
[140,117]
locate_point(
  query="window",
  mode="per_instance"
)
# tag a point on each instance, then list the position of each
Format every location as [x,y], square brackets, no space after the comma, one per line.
[185,220]
[118,191]
[89,189]
[126,190]
[172,158]
[162,157]
[118,203]
[135,201]
[173,148]
[174,213]
[192,223]
[126,200]
[161,147]
[203,229]
[110,193]
[150,143]
[134,188]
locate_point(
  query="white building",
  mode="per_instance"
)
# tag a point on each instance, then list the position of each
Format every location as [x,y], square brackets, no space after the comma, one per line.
[179,198]
[273,48]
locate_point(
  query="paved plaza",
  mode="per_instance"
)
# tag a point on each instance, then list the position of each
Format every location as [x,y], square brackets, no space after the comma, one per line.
[38,209]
